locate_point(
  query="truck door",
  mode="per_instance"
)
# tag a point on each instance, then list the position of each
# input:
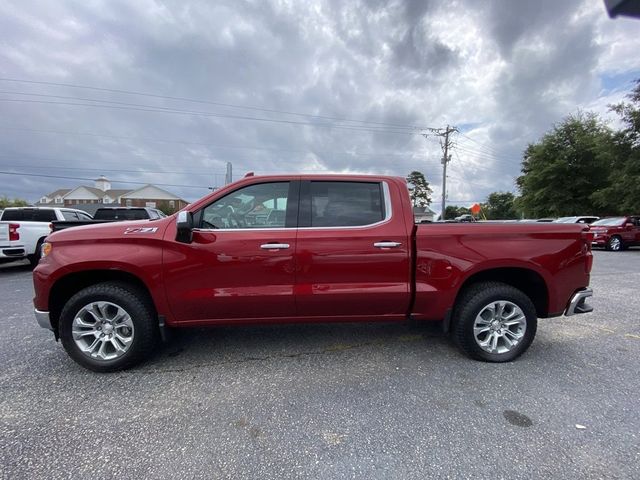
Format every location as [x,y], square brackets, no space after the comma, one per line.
[240,264]
[352,251]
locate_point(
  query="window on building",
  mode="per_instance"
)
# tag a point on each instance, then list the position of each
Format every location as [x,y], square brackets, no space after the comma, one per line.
[128,202]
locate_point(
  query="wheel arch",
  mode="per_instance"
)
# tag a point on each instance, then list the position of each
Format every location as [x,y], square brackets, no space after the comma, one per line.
[530,282]
[67,286]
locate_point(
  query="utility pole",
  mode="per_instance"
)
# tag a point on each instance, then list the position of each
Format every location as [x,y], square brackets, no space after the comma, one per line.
[446,158]
[229,176]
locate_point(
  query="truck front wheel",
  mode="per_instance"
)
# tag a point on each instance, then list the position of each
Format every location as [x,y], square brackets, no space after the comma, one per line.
[615,244]
[108,327]
[494,322]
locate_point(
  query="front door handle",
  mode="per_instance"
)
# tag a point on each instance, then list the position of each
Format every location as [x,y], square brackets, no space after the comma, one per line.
[274,246]
[387,244]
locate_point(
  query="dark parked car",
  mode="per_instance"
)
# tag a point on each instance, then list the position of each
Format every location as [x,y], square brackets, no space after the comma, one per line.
[113,214]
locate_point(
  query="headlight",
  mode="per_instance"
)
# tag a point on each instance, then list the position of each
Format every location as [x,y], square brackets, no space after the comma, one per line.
[45,249]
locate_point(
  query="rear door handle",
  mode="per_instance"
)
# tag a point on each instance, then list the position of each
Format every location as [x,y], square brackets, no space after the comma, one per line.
[387,244]
[274,246]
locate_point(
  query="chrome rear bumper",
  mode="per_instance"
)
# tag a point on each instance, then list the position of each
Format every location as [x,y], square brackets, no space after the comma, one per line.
[43,319]
[579,303]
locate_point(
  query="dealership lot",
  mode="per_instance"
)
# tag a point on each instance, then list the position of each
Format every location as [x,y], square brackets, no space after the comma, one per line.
[330,401]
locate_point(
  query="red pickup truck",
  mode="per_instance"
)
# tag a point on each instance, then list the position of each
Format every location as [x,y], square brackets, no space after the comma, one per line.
[307,248]
[616,233]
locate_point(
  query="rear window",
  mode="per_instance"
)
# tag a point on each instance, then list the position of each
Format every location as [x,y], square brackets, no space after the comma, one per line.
[69,216]
[121,214]
[346,204]
[29,215]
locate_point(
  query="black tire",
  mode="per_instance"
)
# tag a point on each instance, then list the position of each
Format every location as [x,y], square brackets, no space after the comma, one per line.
[473,301]
[35,258]
[139,308]
[615,244]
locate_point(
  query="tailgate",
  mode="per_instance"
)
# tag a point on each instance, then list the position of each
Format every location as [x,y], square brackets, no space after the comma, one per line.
[4,232]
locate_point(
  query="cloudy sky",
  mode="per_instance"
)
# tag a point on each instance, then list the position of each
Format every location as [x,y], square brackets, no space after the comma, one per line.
[164,92]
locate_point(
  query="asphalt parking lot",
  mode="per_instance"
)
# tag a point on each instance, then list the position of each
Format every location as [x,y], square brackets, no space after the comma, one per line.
[330,401]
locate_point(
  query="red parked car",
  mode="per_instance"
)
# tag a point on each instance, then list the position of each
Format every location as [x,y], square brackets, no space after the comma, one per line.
[616,233]
[306,249]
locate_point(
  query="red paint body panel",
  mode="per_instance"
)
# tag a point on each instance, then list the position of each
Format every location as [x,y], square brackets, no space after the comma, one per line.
[227,275]
[448,254]
[326,274]
[340,271]
[104,247]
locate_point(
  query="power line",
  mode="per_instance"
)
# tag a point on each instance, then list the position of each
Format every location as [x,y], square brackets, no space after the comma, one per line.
[119,170]
[152,109]
[203,144]
[479,166]
[22,174]
[207,102]
[488,148]
[501,159]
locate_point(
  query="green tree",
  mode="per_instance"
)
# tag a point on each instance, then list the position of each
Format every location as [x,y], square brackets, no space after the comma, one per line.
[562,173]
[622,194]
[419,189]
[500,206]
[16,202]
[452,212]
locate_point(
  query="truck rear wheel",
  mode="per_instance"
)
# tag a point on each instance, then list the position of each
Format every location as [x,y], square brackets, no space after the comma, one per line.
[494,322]
[108,327]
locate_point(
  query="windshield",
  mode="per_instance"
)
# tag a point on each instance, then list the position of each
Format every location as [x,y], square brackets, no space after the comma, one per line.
[565,220]
[610,222]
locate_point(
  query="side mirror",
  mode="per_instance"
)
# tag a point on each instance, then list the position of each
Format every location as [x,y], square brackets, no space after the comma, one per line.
[184,227]
[629,226]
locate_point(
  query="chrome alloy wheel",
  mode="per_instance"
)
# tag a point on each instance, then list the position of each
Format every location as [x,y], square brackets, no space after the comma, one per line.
[102,330]
[499,326]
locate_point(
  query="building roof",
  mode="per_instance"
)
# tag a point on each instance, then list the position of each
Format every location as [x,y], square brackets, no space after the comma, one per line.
[115,193]
[60,192]
[151,192]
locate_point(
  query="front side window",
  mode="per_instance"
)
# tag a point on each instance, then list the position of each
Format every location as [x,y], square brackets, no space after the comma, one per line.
[346,204]
[256,206]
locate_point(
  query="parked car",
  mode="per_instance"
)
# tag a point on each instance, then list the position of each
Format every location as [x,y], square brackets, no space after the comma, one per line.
[616,233]
[467,217]
[312,248]
[112,214]
[587,219]
[23,230]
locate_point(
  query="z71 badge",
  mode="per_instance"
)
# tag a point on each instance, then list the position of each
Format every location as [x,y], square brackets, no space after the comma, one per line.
[141,230]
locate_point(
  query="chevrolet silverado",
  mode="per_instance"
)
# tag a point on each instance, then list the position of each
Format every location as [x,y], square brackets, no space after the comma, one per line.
[306,248]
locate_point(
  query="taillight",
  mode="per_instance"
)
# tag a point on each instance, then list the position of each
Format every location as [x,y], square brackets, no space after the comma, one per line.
[587,238]
[13,232]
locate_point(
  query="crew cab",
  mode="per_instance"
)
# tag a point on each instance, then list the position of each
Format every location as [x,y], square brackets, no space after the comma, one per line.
[306,248]
[23,230]
[616,233]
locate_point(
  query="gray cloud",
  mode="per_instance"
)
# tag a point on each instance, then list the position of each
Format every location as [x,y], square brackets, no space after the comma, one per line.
[506,70]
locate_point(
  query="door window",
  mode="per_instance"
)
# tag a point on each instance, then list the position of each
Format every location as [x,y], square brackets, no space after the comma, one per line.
[346,204]
[262,205]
